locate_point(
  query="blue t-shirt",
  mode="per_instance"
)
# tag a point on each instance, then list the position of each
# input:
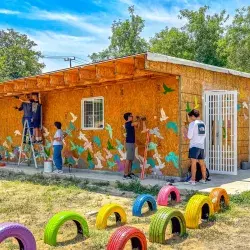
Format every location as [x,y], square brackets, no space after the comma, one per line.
[130,132]
[27,109]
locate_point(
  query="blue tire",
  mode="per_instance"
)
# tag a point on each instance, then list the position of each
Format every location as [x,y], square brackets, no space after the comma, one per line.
[139,202]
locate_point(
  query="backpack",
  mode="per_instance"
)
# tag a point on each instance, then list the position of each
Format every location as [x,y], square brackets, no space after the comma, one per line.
[198,173]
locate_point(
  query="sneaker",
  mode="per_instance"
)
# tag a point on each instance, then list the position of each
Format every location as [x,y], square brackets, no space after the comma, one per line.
[132,175]
[60,172]
[55,171]
[203,182]
[127,177]
[190,183]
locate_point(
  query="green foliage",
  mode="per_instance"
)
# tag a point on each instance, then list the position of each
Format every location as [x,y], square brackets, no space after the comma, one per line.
[136,187]
[237,41]
[125,39]
[241,199]
[18,58]
[199,39]
[172,42]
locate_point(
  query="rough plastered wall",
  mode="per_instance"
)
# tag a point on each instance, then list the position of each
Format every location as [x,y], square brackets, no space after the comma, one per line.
[11,120]
[194,82]
[141,97]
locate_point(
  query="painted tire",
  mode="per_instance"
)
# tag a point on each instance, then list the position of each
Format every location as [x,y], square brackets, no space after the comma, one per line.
[198,207]
[106,211]
[22,234]
[165,192]
[218,197]
[160,221]
[123,234]
[52,227]
[139,202]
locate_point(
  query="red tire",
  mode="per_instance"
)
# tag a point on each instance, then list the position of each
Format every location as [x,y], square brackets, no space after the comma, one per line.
[122,235]
[165,192]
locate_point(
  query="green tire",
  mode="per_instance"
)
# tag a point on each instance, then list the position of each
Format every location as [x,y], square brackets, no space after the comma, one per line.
[160,221]
[53,225]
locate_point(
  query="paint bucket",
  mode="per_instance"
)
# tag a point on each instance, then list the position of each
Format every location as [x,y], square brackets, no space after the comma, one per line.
[48,167]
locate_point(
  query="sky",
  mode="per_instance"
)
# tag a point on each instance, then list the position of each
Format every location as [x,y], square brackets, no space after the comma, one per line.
[80,27]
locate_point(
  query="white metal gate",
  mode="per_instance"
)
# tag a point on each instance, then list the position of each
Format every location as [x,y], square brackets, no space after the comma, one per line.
[220,112]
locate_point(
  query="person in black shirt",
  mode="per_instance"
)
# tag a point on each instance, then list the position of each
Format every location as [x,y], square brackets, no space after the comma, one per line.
[130,144]
[26,107]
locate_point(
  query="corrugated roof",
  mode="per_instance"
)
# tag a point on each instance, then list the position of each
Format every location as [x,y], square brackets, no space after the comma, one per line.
[169,59]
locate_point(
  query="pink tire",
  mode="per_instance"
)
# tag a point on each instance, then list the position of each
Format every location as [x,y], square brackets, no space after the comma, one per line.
[23,236]
[165,192]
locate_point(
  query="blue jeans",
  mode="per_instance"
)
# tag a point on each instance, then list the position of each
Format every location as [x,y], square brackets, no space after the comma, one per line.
[30,125]
[57,156]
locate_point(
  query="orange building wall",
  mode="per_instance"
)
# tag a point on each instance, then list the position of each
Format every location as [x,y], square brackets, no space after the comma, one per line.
[141,97]
[194,82]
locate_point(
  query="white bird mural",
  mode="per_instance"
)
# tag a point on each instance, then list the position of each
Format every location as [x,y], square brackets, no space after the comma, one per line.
[17,132]
[140,159]
[156,132]
[109,155]
[82,137]
[244,105]
[99,159]
[74,117]
[46,132]
[88,145]
[163,115]
[158,158]
[5,144]
[245,116]
[122,154]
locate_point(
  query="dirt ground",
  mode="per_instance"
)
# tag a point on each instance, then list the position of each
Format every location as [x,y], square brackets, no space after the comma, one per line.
[33,205]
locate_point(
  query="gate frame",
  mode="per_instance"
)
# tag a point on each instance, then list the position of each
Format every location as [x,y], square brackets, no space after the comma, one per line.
[234,123]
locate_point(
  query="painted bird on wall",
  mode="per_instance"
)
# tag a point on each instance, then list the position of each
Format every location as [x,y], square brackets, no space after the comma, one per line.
[188,109]
[166,89]
[97,141]
[45,132]
[163,115]
[196,105]
[173,126]
[172,157]
[156,132]
[110,130]
[74,117]
[17,132]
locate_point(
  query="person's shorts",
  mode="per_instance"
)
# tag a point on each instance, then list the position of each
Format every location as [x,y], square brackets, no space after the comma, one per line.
[36,123]
[130,147]
[196,153]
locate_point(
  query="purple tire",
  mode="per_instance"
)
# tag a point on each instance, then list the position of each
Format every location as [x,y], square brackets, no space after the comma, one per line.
[22,234]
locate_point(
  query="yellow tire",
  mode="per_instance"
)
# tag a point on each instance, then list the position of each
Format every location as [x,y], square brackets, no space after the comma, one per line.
[106,211]
[198,207]
[219,198]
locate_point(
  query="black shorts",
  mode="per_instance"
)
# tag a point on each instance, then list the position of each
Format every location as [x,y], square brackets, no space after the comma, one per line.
[196,153]
[36,123]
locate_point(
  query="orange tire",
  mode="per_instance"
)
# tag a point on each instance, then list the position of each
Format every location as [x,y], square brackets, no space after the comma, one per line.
[219,198]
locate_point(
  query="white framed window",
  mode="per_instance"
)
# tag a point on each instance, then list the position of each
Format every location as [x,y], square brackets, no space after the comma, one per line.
[92,113]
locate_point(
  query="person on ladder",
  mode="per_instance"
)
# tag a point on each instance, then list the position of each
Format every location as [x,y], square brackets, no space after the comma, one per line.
[26,107]
[36,118]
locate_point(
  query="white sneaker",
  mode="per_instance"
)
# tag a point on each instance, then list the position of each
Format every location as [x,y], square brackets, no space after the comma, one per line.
[202,182]
[190,183]
[60,172]
[55,171]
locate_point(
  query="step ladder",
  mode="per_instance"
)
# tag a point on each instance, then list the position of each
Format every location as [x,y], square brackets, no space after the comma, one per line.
[33,154]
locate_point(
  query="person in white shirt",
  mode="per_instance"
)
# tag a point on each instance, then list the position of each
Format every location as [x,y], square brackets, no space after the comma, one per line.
[196,134]
[58,146]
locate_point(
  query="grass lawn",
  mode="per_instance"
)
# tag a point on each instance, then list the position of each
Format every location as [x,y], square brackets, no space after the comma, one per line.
[33,204]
